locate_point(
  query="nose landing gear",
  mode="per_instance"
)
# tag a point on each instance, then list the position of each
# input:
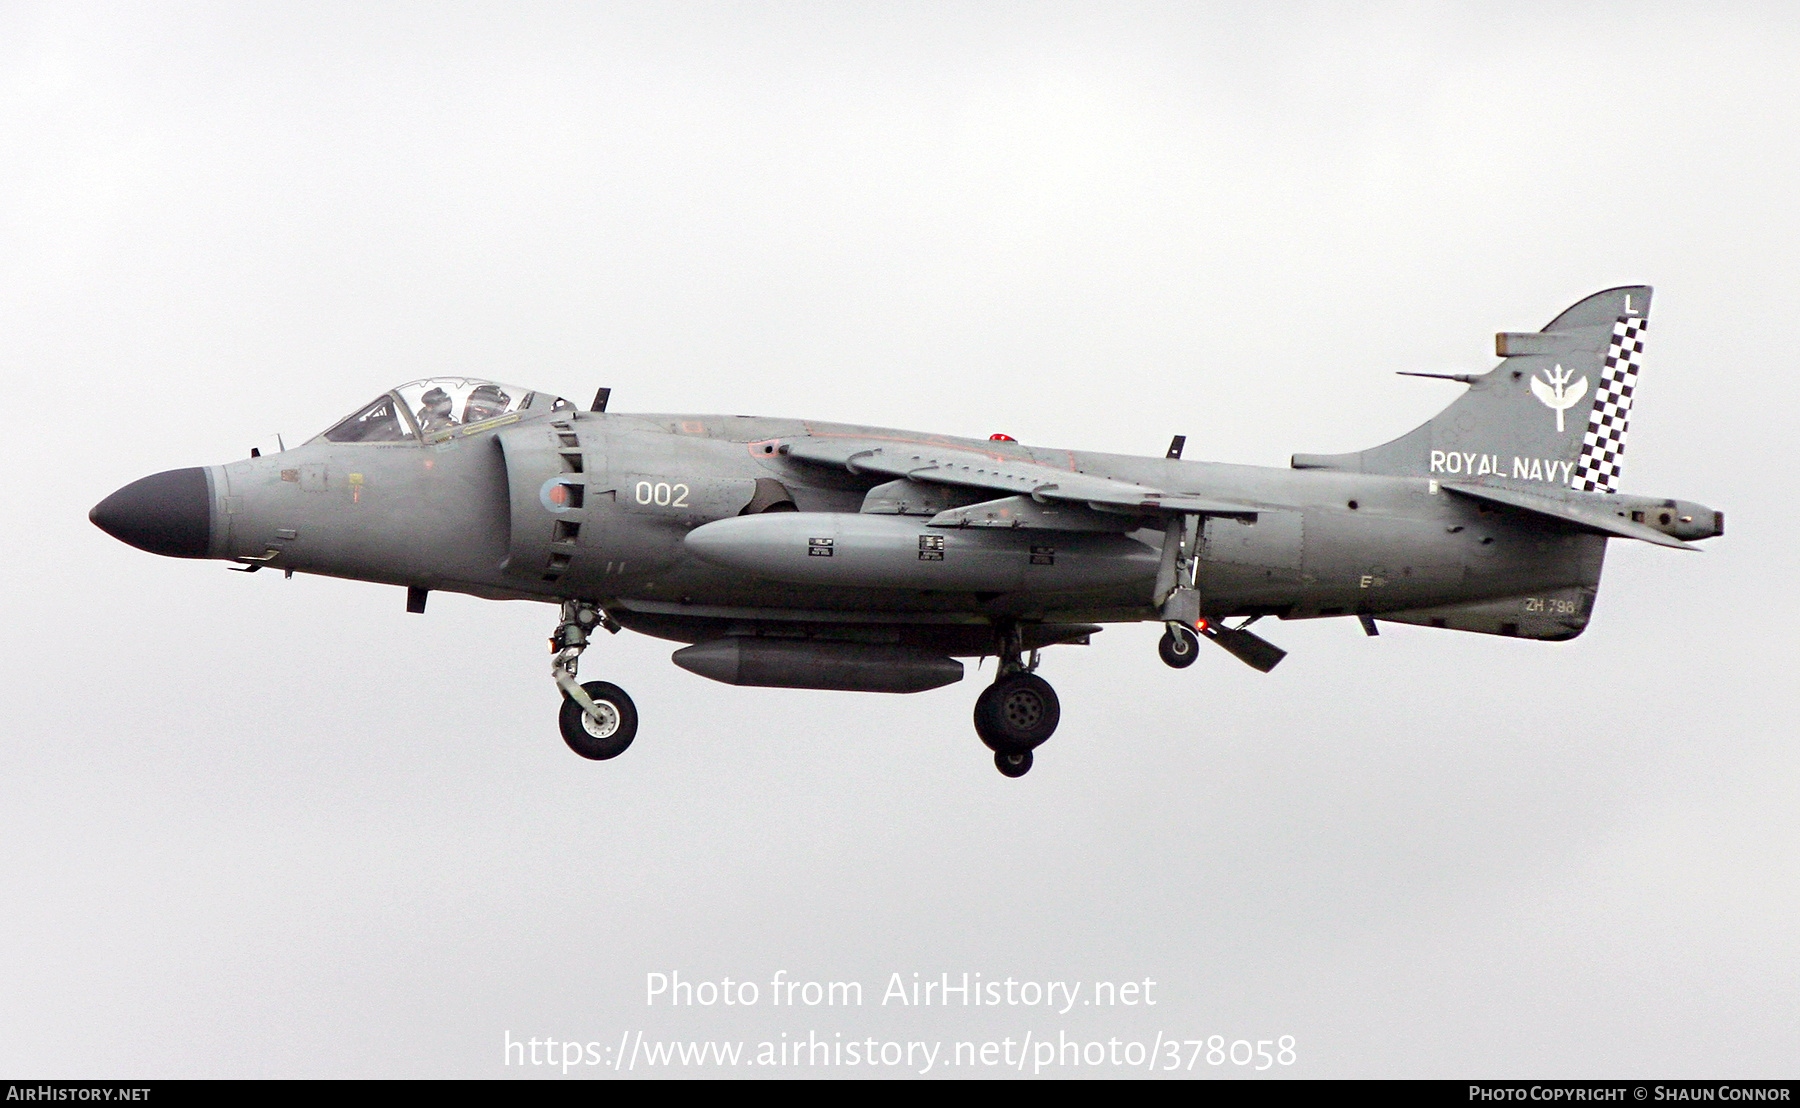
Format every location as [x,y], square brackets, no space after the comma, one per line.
[604,730]
[598,719]
[1018,712]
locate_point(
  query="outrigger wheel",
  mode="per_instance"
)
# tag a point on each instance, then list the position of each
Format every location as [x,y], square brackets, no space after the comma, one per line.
[1014,716]
[606,736]
[1179,646]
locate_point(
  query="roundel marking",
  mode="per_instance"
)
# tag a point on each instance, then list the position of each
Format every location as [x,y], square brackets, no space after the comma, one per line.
[554,495]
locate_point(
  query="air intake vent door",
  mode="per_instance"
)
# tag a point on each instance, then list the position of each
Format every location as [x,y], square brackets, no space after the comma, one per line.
[556,484]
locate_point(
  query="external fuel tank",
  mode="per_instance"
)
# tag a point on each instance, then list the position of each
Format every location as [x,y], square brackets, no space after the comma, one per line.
[900,552]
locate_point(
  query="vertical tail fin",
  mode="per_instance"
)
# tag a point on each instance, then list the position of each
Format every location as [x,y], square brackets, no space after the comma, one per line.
[1553,412]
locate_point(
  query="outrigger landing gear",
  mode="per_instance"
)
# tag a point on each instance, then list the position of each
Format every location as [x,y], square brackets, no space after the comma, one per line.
[1177,591]
[1179,646]
[598,719]
[1018,712]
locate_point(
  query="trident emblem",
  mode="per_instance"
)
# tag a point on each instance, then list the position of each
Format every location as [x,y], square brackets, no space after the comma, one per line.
[1557,394]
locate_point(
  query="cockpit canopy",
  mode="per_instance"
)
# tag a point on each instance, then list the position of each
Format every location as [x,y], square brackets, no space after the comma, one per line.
[437,407]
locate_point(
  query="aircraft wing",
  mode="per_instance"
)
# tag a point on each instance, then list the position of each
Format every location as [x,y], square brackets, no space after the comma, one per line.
[1569,512]
[1024,512]
[950,465]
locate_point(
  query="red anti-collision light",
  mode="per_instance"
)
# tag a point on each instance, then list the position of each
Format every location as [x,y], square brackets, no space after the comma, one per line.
[1001,438]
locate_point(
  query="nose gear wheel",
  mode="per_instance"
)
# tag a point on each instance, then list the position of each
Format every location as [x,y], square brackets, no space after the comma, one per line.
[605,732]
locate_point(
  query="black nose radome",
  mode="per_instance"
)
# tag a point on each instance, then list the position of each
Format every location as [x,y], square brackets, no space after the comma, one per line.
[167,513]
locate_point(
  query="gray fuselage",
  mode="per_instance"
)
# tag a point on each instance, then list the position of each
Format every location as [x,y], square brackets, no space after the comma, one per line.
[481,512]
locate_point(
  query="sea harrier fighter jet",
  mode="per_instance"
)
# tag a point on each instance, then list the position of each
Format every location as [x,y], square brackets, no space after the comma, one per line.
[798,554]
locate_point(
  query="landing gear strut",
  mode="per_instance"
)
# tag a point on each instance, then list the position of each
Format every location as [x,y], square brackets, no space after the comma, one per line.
[598,719]
[1019,711]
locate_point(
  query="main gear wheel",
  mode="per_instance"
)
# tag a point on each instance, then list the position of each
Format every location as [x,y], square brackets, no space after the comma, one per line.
[1017,713]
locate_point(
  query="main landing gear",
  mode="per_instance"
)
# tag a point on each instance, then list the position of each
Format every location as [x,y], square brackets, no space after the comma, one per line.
[1018,712]
[598,719]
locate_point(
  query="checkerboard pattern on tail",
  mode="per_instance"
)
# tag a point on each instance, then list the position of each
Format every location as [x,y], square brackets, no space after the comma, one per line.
[1603,445]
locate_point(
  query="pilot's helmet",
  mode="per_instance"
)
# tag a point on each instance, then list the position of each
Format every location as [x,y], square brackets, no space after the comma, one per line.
[486,402]
[435,400]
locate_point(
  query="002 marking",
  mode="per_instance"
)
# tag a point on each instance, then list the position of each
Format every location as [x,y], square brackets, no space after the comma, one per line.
[661,493]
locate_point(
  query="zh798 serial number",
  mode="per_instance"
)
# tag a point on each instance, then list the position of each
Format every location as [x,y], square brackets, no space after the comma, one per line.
[1550,604]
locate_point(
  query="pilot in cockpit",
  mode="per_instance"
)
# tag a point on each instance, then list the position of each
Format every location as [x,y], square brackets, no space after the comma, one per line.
[434,411]
[486,402]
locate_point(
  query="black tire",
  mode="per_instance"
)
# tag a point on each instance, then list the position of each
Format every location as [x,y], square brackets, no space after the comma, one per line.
[1016,714]
[982,711]
[1179,648]
[598,741]
[1013,765]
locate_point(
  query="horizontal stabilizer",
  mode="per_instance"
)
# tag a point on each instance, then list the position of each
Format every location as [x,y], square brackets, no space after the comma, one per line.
[1593,519]
[1251,649]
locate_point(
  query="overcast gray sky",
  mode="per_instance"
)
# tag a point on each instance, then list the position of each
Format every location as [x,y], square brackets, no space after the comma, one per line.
[258,827]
